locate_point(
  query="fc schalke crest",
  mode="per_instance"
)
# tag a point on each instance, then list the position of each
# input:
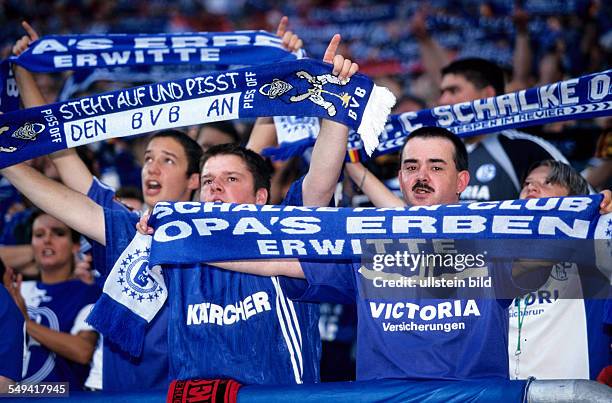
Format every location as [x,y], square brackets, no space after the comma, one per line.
[559,271]
[486,172]
[314,93]
[135,278]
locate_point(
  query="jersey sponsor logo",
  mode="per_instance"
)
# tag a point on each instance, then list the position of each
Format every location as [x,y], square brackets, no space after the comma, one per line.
[476,192]
[486,172]
[447,309]
[210,313]
[534,300]
[423,327]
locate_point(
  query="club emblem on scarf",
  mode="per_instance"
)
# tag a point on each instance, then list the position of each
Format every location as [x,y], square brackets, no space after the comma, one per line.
[314,94]
[29,131]
[135,278]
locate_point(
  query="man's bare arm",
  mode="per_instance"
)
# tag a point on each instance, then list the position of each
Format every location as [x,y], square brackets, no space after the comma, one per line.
[4,384]
[16,256]
[330,148]
[377,192]
[74,209]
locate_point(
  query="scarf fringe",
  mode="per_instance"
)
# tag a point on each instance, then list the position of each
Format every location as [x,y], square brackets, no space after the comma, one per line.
[375,117]
[118,324]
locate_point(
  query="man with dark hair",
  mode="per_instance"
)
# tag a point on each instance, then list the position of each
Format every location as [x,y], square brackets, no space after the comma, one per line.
[427,188]
[256,165]
[480,73]
[170,173]
[460,155]
[497,161]
[460,337]
[472,344]
[222,306]
[425,181]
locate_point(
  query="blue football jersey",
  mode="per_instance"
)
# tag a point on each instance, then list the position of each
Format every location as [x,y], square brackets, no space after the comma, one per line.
[11,337]
[416,338]
[240,326]
[62,307]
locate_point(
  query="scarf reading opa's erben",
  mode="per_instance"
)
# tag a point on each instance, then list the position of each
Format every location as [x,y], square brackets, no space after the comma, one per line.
[299,88]
[190,232]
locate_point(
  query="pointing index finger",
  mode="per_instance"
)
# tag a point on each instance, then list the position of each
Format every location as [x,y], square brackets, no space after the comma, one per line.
[330,52]
[29,30]
[282,26]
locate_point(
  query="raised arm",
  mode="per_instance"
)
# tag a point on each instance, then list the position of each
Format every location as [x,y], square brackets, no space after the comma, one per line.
[433,56]
[330,148]
[75,209]
[522,56]
[377,192]
[72,170]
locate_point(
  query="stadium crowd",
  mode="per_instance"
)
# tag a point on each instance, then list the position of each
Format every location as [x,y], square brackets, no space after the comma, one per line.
[63,225]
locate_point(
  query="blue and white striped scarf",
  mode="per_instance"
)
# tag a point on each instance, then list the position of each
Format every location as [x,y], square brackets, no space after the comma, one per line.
[579,98]
[190,232]
[301,88]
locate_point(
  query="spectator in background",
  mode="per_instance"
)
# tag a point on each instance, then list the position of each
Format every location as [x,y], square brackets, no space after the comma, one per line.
[211,134]
[599,171]
[499,160]
[131,197]
[555,333]
[60,344]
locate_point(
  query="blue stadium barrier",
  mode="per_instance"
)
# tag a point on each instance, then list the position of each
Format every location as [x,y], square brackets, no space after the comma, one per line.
[388,391]
[339,392]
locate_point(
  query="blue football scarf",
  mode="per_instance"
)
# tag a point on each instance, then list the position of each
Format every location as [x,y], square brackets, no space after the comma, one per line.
[579,98]
[299,88]
[56,53]
[191,232]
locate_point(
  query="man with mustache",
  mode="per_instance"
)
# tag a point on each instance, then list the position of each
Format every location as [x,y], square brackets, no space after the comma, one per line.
[433,171]
[458,338]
